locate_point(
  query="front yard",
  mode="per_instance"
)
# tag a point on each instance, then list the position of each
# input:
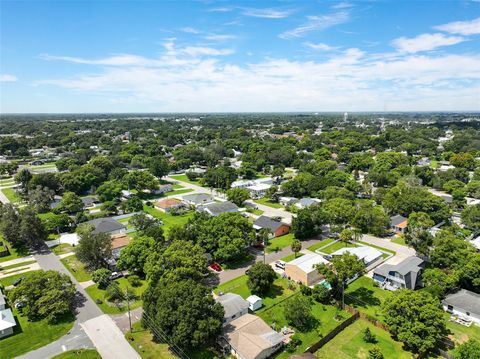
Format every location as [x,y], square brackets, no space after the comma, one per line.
[110,308]
[366,297]
[350,344]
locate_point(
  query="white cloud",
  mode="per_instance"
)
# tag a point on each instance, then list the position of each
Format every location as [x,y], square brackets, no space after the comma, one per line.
[466,28]
[266,13]
[316,23]
[320,46]
[351,80]
[425,42]
[8,78]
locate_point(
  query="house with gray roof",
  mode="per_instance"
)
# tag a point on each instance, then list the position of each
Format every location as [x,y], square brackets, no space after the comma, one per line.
[464,303]
[217,208]
[406,274]
[233,305]
[107,225]
[197,199]
[275,227]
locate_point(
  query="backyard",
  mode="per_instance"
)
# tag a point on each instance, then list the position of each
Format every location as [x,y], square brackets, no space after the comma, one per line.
[325,321]
[366,297]
[350,344]
[110,308]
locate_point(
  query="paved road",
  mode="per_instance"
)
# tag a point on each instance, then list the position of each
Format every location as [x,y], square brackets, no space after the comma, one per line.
[92,328]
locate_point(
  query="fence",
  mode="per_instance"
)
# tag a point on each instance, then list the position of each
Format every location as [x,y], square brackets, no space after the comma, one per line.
[332,334]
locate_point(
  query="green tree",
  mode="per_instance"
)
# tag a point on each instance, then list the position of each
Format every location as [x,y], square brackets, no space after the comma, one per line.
[46,294]
[93,249]
[184,311]
[102,277]
[468,350]
[238,196]
[298,312]
[415,318]
[296,246]
[260,278]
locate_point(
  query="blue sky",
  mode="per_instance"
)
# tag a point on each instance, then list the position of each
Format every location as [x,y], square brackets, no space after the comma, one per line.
[184,56]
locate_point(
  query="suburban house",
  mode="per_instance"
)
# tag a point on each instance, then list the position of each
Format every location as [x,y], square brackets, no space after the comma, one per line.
[168,204]
[276,227]
[197,199]
[302,269]
[119,241]
[406,274]
[217,208]
[233,305]
[249,337]
[398,224]
[366,254]
[255,302]
[306,202]
[107,225]
[464,303]
[7,321]
[287,201]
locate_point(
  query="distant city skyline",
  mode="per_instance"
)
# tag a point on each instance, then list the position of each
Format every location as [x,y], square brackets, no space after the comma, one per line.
[243,56]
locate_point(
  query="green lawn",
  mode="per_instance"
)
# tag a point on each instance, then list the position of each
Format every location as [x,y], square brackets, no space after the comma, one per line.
[336,246]
[321,243]
[142,341]
[184,178]
[324,323]
[276,294]
[168,219]
[62,248]
[80,354]
[350,344]
[278,243]
[11,194]
[32,335]
[399,240]
[77,268]
[109,308]
[267,202]
[367,298]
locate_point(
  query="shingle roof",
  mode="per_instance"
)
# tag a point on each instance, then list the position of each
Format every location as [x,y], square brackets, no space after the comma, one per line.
[232,303]
[464,299]
[249,335]
[105,225]
[269,223]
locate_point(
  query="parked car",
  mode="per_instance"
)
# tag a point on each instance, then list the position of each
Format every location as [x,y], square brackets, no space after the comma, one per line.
[280,264]
[216,267]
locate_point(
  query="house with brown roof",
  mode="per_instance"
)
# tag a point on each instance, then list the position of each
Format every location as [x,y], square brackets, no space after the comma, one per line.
[168,204]
[249,337]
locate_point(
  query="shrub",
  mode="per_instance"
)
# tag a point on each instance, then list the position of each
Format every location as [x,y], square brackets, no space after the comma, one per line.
[134,280]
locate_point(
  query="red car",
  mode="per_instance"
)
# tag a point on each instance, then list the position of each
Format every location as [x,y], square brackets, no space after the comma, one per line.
[216,267]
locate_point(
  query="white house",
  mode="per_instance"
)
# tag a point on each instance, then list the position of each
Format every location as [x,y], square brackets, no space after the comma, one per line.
[465,304]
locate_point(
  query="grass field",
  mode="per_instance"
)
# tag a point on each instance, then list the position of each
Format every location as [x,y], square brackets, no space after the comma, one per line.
[320,244]
[278,243]
[109,308]
[350,344]
[77,268]
[367,298]
[184,178]
[267,202]
[79,354]
[336,246]
[324,322]
[32,335]
[167,219]
[11,194]
[278,292]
